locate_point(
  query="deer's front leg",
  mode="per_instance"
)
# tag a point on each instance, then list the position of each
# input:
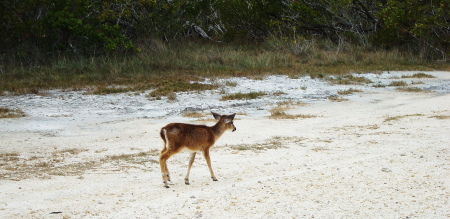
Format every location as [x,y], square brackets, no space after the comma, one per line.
[191,161]
[208,161]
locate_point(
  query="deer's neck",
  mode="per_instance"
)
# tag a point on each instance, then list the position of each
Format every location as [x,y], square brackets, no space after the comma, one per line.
[218,129]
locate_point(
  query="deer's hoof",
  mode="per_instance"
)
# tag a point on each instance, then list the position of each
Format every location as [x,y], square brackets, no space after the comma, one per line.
[166,184]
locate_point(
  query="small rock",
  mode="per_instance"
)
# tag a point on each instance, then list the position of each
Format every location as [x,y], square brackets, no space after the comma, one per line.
[386,170]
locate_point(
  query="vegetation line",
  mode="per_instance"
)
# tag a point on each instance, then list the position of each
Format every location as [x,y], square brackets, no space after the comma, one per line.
[121,46]
[174,67]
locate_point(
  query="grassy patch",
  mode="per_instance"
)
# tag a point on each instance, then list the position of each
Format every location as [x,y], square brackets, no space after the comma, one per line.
[348,80]
[166,88]
[157,67]
[272,143]
[411,89]
[16,167]
[11,113]
[112,90]
[349,91]
[418,75]
[279,114]
[440,117]
[241,96]
[290,103]
[8,157]
[73,151]
[231,83]
[279,111]
[337,98]
[379,85]
[395,118]
[279,93]
[193,114]
[139,158]
[398,83]
[317,149]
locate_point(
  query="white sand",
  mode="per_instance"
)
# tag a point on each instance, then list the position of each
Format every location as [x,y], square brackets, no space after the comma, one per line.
[382,154]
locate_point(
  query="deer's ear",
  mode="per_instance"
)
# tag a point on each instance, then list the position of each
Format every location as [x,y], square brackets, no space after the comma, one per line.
[230,118]
[216,116]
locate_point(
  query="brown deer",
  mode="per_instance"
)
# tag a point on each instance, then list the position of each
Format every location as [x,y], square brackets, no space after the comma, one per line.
[193,138]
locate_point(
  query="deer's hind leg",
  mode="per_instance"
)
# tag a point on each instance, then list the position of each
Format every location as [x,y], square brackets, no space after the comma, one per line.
[165,154]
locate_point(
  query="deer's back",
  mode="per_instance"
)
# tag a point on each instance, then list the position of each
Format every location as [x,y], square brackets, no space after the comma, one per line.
[189,135]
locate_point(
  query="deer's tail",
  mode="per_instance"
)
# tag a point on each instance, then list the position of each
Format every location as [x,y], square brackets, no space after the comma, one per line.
[163,134]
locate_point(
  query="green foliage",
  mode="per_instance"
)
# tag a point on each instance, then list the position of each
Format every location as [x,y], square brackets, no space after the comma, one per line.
[33,29]
[416,22]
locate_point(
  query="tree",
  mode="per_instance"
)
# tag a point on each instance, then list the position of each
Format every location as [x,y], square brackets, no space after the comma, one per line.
[416,22]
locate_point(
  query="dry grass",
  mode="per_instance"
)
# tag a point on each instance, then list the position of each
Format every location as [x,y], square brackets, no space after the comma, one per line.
[349,91]
[231,83]
[412,89]
[169,88]
[17,167]
[395,118]
[193,114]
[348,80]
[276,114]
[11,113]
[317,149]
[441,117]
[337,98]
[242,96]
[279,111]
[140,158]
[418,75]
[379,85]
[276,142]
[398,83]
[113,89]
[289,104]
[162,68]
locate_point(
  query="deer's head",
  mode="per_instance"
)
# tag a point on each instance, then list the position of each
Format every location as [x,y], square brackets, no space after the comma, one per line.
[227,120]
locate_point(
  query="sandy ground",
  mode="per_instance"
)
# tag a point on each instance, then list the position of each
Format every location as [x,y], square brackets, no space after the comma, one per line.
[381,154]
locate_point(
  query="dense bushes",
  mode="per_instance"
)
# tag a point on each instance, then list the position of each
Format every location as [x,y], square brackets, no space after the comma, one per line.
[91,27]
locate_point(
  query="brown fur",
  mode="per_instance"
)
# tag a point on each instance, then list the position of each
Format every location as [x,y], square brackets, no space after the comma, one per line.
[195,138]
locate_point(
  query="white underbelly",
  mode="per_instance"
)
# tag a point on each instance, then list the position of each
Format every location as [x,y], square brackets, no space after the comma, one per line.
[189,150]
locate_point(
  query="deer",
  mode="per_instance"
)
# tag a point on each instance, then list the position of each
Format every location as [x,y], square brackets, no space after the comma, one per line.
[179,137]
